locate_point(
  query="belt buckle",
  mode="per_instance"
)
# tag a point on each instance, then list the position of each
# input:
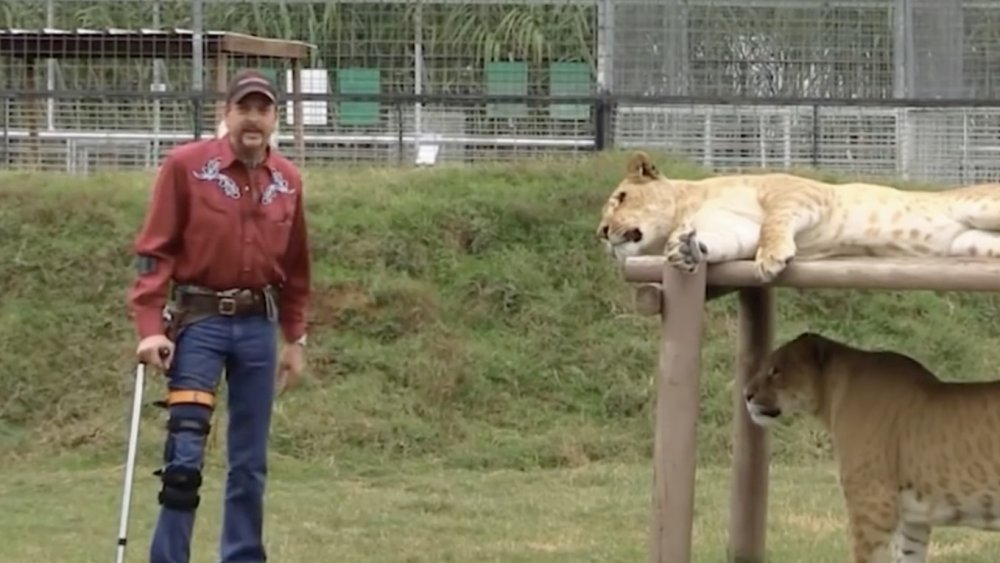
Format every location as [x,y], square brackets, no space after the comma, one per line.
[227,306]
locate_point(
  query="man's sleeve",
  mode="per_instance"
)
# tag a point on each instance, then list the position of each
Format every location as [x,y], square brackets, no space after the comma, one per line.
[295,293]
[155,248]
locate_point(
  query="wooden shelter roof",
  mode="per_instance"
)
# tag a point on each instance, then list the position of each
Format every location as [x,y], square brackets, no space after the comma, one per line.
[146,43]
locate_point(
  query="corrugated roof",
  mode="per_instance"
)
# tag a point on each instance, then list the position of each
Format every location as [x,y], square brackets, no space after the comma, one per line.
[113,31]
[143,42]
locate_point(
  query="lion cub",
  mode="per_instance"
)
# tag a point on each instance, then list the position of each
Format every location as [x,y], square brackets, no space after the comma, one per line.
[912,451]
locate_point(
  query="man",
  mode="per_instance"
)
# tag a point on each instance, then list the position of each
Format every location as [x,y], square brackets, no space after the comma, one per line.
[226,226]
[222,131]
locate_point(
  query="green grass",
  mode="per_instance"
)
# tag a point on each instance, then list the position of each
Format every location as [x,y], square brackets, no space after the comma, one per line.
[426,513]
[466,324]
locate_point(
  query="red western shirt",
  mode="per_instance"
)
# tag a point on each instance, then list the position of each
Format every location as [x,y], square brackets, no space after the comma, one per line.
[213,223]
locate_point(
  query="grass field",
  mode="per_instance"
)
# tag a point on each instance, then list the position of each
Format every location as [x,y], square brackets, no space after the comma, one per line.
[478,385]
[425,513]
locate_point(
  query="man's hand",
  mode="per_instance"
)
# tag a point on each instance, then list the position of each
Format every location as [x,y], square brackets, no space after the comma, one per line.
[290,366]
[156,350]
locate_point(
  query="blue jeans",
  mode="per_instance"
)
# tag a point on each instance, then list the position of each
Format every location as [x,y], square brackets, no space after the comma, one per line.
[247,348]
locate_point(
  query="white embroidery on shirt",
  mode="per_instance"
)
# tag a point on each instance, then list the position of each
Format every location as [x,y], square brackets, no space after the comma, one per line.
[278,185]
[210,171]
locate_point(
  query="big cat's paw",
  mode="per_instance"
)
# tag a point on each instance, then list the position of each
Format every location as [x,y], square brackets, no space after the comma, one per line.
[684,251]
[768,265]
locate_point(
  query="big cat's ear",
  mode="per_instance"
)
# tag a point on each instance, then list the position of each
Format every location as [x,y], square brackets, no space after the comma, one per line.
[818,347]
[640,167]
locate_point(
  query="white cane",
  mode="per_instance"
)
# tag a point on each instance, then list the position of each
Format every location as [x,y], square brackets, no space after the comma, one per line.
[133,443]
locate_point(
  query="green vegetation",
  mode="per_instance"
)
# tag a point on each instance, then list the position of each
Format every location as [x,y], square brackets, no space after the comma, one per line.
[465,314]
[466,324]
[419,513]
[713,45]
[415,515]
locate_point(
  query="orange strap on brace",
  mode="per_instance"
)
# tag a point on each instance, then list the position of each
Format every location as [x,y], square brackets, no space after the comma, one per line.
[190,396]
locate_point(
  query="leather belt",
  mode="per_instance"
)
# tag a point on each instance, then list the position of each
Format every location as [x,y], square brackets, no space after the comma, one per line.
[236,302]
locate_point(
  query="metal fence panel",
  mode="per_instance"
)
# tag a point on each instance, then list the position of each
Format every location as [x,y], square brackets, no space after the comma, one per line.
[734,84]
[753,48]
[734,138]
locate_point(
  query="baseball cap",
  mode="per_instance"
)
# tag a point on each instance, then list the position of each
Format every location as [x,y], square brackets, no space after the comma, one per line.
[250,81]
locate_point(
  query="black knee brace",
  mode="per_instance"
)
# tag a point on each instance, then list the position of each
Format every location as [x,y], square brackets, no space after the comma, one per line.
[181,484]
[195,425]
[180,488]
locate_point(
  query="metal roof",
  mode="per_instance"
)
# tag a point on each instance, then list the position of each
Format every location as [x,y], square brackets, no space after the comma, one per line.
[132,43]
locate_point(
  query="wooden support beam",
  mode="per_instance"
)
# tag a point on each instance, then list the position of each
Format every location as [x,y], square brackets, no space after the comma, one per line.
[940,274]
[264,46]
[677,402]
[751,447]
[680,299]
[221,84]
[649,299]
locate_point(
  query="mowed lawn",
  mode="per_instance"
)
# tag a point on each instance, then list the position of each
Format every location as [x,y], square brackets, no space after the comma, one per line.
[421,513]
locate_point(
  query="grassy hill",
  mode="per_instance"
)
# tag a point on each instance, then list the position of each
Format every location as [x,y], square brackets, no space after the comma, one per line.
[467,314]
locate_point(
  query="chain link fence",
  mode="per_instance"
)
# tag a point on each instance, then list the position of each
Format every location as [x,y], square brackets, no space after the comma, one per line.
[864,87]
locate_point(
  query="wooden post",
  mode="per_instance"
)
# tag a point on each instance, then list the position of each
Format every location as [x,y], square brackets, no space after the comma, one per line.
[682,304]
[649,299]
[675,430]
[221,84]
[751,448]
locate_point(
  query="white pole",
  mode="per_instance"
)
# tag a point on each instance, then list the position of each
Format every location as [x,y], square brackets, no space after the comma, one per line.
[50,64]
[197,54]
[418,68]
[157,86]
